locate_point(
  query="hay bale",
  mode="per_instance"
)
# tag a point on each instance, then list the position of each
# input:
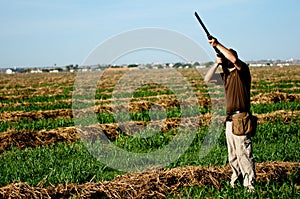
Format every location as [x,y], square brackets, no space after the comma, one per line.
[149,184]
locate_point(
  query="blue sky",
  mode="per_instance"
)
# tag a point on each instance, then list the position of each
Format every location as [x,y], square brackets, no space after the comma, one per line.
[61,32]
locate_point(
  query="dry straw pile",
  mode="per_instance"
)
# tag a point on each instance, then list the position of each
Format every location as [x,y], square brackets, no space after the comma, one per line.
[156,183]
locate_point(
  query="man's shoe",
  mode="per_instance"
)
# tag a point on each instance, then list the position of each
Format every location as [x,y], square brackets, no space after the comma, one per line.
[250,189]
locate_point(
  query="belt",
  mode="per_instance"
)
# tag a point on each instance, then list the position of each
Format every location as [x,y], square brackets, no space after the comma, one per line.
[234,112]
[229,115]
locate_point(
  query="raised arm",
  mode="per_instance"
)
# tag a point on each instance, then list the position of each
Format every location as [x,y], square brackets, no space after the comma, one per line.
[211,76]
[229,54]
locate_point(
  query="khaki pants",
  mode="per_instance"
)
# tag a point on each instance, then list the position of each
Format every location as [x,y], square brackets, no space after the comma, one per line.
[240,157]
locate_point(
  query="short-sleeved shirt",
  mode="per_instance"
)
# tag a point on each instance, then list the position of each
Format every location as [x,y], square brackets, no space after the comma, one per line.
[237,89]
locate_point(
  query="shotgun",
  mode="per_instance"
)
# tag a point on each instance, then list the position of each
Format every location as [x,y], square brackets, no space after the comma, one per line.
[209,36]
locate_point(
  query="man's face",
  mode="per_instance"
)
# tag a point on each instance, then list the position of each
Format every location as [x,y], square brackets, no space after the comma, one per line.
[227,63]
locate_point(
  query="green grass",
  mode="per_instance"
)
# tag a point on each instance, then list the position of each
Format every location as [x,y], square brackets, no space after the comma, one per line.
[282,190]
[269,86]
[36,125]
[39,98]
[52,165]
[72,163]
[275,141]
[37,107]
[271,107]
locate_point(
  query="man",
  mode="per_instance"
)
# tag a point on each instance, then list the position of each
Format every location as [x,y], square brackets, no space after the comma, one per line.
[236,79]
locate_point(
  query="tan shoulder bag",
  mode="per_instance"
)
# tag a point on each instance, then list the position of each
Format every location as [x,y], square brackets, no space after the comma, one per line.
[244,123]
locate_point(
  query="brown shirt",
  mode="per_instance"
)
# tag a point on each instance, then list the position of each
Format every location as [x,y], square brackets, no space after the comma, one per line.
[237,89]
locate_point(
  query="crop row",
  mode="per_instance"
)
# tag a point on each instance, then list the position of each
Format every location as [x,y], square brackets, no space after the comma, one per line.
[59,102]
[38,84]
[30,136]
[72,162]
[40,145]
[160,184]
[140,109]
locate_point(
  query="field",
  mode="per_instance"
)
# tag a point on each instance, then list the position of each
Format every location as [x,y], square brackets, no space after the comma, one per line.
[44,155]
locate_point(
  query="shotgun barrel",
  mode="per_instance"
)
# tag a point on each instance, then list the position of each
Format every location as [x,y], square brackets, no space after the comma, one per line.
[209,36]
[203,26]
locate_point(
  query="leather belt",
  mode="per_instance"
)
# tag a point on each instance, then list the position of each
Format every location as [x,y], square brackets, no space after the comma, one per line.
[229,115]
[234,112]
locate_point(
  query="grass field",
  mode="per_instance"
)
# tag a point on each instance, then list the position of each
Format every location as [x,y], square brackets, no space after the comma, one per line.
[42,154]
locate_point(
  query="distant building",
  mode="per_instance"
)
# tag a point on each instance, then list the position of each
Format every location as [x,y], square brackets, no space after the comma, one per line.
[200,66]
[54,71]
[9,71]
[36,71]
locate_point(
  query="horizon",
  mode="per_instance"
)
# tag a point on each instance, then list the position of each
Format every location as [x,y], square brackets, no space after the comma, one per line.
[255,63]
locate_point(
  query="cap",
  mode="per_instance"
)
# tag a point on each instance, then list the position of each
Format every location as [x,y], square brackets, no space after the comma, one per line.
[233,51]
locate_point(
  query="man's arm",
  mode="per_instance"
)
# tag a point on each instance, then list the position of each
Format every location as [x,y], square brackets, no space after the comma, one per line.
[227,53]
[211,76]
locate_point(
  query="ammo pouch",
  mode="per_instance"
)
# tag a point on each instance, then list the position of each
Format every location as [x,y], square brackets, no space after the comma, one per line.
[244,123]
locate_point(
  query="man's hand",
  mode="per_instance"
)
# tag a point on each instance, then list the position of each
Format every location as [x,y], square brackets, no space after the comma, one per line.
[213,42]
